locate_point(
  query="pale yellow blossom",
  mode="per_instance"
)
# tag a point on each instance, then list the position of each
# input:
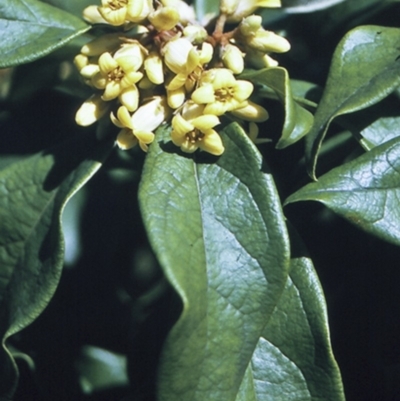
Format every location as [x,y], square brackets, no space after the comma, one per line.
[118,75]
[139,127]
[194,130]
[232,58]
[221,92]
[164,18]
[91,110]
[187,62]
[257,38]
[118,12]
[186,12]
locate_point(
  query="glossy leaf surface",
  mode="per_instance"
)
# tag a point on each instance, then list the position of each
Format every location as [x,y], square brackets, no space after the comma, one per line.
[298,120]
[365,191]
[33,194]
[34,29]
[356,80]
[293,359]
[217,228]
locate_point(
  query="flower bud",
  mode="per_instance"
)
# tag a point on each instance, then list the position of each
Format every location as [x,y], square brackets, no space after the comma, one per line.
[81,61]
[102,44]
[228,7]
[267,41]
[164,19]
[186,12]
[250,25]
[232,58]
[91,14]
[91,110]
[252,112]
[176,54]
[195,34]
[154,68]
[138,10]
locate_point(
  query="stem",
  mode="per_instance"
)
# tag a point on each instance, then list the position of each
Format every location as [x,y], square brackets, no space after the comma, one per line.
[219,26]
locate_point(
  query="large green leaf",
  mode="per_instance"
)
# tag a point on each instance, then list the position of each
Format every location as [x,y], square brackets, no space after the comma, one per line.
[219,233]
[31,29]
[284,367]
[33,193]
[298,120]
[365,191]
[365,69]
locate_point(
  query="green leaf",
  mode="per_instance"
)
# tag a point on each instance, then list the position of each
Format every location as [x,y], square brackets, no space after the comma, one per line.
[298,120]
[33,194]
[33,29]
[75,7]
[218,231]
[206,8]
[298,370]
[100,369]
[365,191]
[364,70]
[217,228]
[381,130]
[307,6]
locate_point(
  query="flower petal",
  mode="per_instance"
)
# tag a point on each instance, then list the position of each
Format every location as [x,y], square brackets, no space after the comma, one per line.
[176,97]
[107,63]
[223,78]
[126,139]
[206,122]
[243,90]
[154,68]
[180,126]
[111,91]
[129,97]
[216,108]
[204,94]
[252,112]
[212,143]
[90,111]
[124,117]
[177,82]
[144,137]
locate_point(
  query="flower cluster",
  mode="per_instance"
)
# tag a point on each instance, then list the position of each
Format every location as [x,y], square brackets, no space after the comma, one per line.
[160,65]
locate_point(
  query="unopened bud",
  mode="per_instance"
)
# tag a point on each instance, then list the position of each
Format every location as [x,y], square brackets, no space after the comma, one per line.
[232,58]
[91,110]
[164,19]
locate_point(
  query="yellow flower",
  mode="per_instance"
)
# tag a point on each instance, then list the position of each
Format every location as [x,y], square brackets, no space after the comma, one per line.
[118,75]
[153,65]
[186,12]
[139,127]
[117,12]
[194,129]
[257,38]
[92,15]
[164,18]
[91,111]
[182,58]
[221,92]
